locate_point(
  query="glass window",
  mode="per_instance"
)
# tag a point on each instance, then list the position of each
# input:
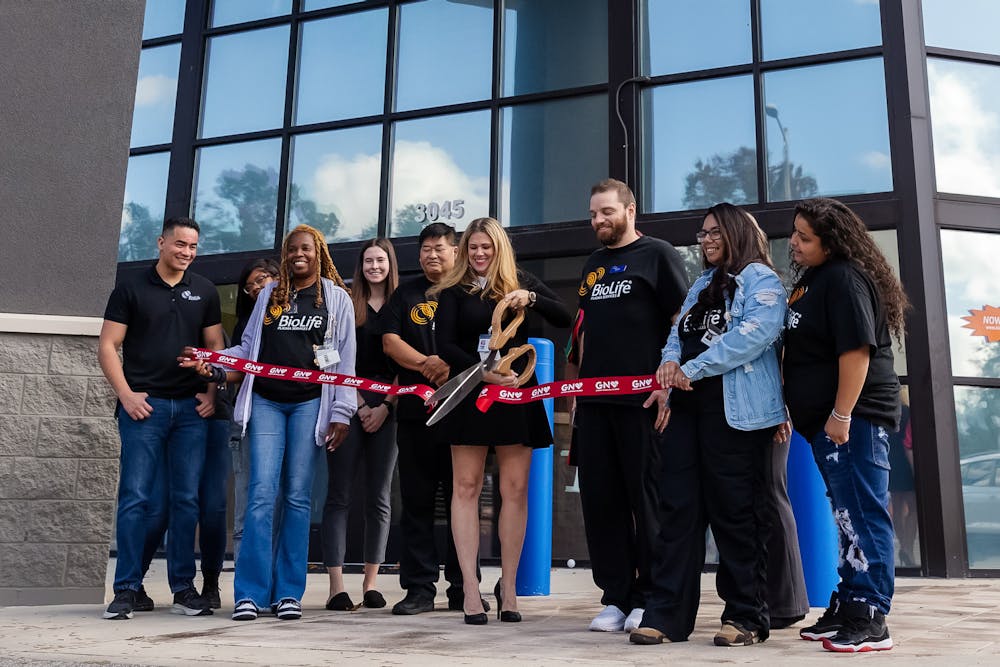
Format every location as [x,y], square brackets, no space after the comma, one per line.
[342,67]
[699,144]
[236,195]
[228,12]
[964,102]
[310,5]
[335,182]
[820,139]
[245,77]
[791,28]
[978,414]
[440,172]
[156,95]
[142,210]
[965,25]
[973,301]
[162,18]
[902,488]
[555,44]
[694,34]
[552,153]
[445,53]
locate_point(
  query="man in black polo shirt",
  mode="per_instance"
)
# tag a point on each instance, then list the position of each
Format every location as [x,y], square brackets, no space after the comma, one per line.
[424,460]
[162,411]
[630,291]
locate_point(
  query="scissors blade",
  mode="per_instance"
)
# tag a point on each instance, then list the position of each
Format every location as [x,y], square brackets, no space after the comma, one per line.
[470,379]
[449,387]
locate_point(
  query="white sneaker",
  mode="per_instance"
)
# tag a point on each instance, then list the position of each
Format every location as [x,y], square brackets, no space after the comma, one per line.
[633,620]
[612,619]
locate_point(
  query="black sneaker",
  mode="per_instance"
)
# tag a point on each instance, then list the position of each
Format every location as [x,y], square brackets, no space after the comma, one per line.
[245,610]
[122,606]
[210,591]
[288,609]
[863,629]
[828,624]
[189,603]
[142,601]
[413,603]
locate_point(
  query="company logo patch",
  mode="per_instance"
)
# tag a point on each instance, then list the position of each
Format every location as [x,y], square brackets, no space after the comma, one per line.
[186,294]
[612,290]
[590,280]
[618,268]
[423,312]
[274,311]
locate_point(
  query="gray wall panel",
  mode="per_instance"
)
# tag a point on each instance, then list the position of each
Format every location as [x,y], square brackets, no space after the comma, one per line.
[67,84]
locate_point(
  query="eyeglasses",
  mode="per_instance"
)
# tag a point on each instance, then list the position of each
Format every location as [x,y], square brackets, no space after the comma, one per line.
[257,285]
[714,234]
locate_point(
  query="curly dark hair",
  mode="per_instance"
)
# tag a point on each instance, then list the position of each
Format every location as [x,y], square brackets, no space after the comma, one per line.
[744,243]
[844,235]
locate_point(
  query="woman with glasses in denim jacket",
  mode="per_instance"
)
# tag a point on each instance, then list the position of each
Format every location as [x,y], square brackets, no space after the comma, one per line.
[721,363]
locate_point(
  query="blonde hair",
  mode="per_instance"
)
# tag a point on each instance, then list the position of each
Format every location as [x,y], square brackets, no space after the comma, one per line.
[501,276]
[324,269]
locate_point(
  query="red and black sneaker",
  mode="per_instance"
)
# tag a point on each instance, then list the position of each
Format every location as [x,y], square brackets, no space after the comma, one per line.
[828,624]
[863,629]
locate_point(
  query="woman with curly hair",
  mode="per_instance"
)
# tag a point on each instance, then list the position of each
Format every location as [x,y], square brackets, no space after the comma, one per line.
[305,319]
[843,396]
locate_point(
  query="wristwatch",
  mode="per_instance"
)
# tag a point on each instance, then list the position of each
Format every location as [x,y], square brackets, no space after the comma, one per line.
[532,297]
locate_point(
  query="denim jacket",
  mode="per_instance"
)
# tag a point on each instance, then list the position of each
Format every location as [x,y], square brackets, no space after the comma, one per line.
[337,404]
[746,355]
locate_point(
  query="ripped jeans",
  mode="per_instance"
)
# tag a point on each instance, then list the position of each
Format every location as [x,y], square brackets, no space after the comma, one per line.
[857,482]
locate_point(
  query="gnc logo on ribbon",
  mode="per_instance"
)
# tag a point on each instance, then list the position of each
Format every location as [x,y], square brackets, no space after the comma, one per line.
[985,322]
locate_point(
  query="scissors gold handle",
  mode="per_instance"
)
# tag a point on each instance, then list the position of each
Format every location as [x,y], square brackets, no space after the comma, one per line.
[503,365]
[501,336]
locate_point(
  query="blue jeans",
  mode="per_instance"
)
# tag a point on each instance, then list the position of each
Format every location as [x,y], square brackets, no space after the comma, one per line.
[282,452]
[212,518]
[173,436]
[857,481]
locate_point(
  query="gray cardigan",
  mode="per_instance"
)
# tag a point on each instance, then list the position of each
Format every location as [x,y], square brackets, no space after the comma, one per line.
[337,404]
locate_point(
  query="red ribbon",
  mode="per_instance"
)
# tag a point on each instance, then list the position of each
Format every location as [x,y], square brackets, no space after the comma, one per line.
[261,369]
[602,386]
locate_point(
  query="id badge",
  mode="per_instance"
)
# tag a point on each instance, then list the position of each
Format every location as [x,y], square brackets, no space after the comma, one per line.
[326,356]
[484,347]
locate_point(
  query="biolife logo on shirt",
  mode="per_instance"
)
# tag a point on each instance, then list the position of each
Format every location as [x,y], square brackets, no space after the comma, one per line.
[299,322]
[186,294]
[598,290]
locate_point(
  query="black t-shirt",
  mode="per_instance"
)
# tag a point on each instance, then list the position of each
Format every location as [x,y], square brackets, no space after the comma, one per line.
[287,340]
[372,362]
[161,321]
[835,309]
[695,323]
[410,315]
[629,296]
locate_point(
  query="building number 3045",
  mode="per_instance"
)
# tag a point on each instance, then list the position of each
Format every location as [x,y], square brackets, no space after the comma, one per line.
[446,210]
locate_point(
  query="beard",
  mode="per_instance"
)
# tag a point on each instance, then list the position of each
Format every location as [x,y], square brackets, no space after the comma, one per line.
[610,235]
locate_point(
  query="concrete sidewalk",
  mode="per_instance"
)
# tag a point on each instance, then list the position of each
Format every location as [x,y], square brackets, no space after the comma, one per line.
[934,622]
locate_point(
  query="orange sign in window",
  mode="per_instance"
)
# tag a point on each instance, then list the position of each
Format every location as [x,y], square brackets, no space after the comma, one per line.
[985,322]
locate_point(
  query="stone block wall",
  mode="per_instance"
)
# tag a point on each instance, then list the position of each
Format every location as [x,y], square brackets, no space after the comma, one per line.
[58,470]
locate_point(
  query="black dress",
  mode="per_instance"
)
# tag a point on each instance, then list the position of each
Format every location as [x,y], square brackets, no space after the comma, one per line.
[460,319]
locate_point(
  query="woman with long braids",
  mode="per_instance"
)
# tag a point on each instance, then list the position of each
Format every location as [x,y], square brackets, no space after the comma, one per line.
[486,274]
[304,320]
[371,442]
[843,396]
[721,364]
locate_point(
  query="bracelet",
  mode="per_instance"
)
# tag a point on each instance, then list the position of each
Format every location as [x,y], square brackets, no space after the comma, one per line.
[846,419]
[388,406]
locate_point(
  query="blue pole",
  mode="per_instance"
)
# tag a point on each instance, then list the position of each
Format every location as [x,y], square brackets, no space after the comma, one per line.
[534,569]
[817,532]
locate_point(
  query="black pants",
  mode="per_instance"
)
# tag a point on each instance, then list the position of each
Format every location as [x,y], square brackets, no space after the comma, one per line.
[424,465]
[710,474]
[615,449]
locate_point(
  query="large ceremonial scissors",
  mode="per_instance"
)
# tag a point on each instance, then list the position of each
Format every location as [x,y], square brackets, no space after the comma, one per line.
[454,390]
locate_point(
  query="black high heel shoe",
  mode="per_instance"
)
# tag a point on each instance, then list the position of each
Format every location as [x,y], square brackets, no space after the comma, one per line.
[477,619]
[504,616]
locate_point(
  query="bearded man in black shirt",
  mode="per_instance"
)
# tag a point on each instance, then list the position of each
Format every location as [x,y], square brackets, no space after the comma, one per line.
[631,289]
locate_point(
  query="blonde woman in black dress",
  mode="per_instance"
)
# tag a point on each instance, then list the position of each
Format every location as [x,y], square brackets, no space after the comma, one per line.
[486,274]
